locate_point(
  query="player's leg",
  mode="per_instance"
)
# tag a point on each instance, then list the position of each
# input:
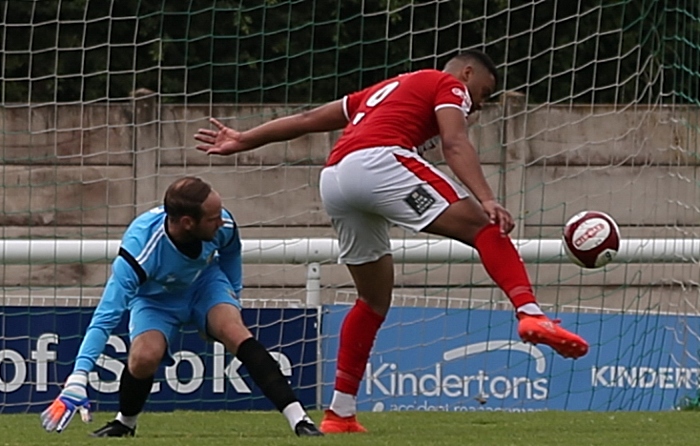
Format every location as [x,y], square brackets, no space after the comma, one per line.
[218,314]
[466,221]
[422,198]
[364,247]
[145,355]
[374,283]
[151,327]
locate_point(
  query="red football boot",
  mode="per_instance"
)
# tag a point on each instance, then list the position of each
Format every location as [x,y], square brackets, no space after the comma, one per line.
[334,424]
[542,330]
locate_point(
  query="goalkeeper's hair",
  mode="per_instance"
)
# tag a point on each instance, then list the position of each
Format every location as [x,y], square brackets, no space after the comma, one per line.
[185,196]
[479,57]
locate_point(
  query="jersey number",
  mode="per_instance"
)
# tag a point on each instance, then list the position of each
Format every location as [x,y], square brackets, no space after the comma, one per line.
[377,97]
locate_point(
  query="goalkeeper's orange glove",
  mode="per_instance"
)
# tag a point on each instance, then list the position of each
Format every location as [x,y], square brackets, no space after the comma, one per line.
[73,398]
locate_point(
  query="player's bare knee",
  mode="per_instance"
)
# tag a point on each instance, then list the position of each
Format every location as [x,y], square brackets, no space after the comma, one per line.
[144,363]
[146,353]
[474,222]
[480,224]
[233,335]
[379,304]
[225,322]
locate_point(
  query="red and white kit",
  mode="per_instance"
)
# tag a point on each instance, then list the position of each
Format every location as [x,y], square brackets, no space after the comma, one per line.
[375,176]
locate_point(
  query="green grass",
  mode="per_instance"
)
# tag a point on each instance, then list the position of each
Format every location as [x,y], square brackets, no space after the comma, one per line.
[387,428]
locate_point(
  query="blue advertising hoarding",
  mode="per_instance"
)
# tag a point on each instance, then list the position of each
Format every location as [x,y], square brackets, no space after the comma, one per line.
[424,359]
[467,360]
[38,346]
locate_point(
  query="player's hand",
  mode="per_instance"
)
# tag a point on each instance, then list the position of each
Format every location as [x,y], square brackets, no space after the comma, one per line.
[223,141]
[499,215]
[73,398]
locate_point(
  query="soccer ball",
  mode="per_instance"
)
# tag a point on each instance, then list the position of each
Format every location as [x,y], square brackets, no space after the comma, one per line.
[591,239]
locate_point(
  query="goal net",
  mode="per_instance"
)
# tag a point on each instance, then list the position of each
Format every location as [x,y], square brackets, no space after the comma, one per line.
[597,109]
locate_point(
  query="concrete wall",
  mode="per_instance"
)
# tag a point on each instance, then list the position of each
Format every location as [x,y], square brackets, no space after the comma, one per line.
[86,170]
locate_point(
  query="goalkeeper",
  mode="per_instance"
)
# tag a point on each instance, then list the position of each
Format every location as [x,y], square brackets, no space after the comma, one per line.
[178,264]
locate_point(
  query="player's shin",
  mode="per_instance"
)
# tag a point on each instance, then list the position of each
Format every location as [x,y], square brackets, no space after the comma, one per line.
[505,266]
[266,374]
[357,336]
[133,394]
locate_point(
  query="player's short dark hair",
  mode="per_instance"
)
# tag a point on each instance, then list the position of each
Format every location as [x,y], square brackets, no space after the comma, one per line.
[479,57]
[185,196]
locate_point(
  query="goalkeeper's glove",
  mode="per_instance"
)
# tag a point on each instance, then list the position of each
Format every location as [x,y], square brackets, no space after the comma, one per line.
[73,398]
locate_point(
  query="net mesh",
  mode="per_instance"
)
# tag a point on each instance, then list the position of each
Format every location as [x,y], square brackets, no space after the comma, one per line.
[597,109]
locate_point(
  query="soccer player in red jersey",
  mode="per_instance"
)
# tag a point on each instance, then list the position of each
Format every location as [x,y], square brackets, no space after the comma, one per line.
[375,177]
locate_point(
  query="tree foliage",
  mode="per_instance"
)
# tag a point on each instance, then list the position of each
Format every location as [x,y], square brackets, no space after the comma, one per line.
[619,51]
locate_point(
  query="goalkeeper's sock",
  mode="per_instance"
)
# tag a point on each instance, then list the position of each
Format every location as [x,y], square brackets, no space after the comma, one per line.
[266,373]
[127,421]
[503,263]
[133,393]
[294,413]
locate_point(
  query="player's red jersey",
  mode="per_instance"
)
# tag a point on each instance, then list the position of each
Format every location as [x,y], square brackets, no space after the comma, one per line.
[399,112]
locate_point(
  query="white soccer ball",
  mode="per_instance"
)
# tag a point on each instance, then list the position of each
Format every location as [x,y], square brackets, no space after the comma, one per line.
[591,239]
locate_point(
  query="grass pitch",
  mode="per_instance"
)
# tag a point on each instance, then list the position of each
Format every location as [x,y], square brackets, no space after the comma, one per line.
[386,428]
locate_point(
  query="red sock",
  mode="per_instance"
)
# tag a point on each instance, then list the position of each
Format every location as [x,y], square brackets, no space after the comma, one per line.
[503,263]
[357,336]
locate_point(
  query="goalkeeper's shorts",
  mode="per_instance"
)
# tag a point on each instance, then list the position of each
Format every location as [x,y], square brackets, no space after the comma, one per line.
[168,312]
[372,189]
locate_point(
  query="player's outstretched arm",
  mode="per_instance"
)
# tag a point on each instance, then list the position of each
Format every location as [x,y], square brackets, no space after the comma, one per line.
[73,398]
[224,140]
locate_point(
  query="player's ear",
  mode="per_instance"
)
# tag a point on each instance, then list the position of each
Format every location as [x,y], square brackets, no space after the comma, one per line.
[467,72]
[187,222]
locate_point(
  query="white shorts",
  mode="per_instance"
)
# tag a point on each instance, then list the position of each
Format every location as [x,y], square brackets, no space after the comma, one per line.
[372,189]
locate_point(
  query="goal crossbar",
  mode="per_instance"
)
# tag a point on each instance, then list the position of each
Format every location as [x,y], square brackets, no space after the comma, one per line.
[313,250]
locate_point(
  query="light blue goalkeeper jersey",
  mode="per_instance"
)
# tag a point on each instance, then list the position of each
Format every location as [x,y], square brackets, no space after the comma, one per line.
[150,266]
